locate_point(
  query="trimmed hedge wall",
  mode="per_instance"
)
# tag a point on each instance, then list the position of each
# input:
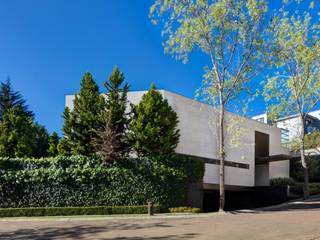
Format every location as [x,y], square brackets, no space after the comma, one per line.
[89,181]
[69,211]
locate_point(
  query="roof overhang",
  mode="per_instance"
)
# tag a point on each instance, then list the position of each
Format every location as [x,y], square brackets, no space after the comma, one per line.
[272,158]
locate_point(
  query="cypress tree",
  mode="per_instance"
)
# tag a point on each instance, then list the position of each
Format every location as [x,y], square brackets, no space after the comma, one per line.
[111,141]
[85,118]
[153,127]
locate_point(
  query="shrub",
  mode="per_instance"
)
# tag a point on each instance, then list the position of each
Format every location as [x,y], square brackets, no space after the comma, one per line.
[89,181]
[281,182]
[296,170]
[313,187]
[184,210]
[68,211]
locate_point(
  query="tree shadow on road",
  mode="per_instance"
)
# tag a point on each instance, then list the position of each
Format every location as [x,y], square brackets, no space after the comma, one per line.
[87,231]
[293,206]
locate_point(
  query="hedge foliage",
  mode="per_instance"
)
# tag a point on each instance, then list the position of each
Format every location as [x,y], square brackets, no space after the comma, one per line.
[184,210]
[282,182]
[69,211]
[89,181]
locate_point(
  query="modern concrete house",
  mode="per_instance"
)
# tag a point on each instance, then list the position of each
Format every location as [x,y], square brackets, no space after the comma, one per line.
[254,153]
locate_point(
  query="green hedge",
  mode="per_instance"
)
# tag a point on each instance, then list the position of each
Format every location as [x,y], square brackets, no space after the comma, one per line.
[69,211]
[282,182]
[184,210]
[89,181]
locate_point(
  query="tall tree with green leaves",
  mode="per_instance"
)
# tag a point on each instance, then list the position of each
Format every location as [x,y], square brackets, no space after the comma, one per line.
[82,122]
[10,98]
[154,126]
[229,34]
[110,140]
[294,87]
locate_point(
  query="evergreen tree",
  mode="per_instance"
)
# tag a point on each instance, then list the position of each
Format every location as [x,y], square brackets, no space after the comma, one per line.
[85,118]
[64,145]
[53,144]
[20,136]
[17,138]
[153,128]
[41,137]
[10,98]
[111,139]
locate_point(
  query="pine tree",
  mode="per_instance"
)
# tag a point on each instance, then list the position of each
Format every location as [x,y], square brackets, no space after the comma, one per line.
[111,141]
[64,145]
[85,118]
[41,136]
[53,144]
[153,128]
[20,136]
[17,138]
[10,98]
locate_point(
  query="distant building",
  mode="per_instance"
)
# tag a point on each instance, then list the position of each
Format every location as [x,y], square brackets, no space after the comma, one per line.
[290,125]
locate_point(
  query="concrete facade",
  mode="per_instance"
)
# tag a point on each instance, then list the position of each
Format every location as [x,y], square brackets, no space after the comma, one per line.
[199,138]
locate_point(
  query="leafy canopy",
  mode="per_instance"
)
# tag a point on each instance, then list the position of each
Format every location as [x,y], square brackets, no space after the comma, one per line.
[228,32]
[294,88]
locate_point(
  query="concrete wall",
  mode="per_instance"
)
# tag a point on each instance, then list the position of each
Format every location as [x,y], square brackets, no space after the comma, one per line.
[199,137]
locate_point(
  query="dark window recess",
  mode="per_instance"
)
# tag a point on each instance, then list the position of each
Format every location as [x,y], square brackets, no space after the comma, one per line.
[217,162]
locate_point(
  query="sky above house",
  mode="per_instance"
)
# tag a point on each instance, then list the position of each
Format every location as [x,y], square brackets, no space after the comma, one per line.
[47,46]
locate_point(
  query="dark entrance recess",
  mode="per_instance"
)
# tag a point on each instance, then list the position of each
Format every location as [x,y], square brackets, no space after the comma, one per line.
[234,200]
[254,198]
[261,144]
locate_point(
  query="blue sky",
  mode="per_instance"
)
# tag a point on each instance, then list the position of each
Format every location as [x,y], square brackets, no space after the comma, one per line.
[46,47]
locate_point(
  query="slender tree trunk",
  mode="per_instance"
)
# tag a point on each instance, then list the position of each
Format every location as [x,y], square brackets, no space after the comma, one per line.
[303,159]
[222,157]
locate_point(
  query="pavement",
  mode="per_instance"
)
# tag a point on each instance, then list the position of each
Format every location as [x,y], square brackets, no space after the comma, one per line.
[298,220]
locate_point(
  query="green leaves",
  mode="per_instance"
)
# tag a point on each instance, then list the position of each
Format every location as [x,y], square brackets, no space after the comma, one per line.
[81,181]
[295,51]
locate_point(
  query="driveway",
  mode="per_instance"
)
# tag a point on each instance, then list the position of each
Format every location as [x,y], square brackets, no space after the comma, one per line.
[294,221]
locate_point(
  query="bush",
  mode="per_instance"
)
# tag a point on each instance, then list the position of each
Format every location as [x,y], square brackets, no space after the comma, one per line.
[89,181]
[281,182]
[297,173]
[184,210]
[68,211]
[314,188]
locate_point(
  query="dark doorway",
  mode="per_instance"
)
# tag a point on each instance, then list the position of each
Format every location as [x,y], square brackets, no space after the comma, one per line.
[261,144]
[234,200]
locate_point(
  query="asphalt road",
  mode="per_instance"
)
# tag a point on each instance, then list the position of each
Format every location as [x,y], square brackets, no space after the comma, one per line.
[294,221]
